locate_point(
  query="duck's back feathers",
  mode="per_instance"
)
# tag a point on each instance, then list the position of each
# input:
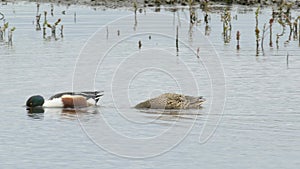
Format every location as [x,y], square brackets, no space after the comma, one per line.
[94,95]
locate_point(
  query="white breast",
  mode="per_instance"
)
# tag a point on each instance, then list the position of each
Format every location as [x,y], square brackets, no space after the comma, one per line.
[56,102]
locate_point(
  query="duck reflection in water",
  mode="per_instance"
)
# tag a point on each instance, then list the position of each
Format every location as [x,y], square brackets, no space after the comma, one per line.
[36,112]
[40,113]
[172,115]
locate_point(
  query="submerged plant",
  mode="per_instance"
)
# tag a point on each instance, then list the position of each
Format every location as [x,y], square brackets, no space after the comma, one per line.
[2,30]
[10,34]
[53,28]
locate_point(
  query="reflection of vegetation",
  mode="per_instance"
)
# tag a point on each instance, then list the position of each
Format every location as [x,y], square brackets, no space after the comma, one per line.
[226,19]
[257,30]
[281,17]
[36,113]
[177,47]
[135,10]
[1,16]
[205,7]
[52,9]
[263,36]
[193,18]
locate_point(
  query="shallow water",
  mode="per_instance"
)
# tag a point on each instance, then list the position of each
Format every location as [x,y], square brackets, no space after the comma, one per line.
[259,127]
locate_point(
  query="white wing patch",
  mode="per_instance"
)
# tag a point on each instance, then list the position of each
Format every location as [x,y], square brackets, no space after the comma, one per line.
[91,102]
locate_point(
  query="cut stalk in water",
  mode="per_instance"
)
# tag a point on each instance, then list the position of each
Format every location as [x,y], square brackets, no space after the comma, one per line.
[38,17]
[287,60]
[107,32]
[177,48]
[271,26]
[10,34]
[263,37]
[45,24]
[140,44]
[295,29]
[1,34]
[1,16]
[38,25]
[44,32]
[37,9]
[289,23]
[238,40]
[62,31]
[135,19]
[52,10]
[257,30]
[281,34]
[206,18]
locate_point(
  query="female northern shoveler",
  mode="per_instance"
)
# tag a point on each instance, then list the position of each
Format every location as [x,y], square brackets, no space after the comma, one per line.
[66,100]
[172,101]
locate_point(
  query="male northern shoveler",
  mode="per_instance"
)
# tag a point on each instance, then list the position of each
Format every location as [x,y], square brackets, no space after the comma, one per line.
[66,100]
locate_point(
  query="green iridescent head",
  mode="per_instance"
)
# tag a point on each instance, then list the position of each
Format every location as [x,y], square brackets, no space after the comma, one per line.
[35,101]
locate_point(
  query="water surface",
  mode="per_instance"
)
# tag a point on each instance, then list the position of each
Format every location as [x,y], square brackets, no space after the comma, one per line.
[259,126]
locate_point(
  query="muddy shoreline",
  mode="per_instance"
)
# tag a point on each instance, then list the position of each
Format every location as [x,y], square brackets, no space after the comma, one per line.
[156,3]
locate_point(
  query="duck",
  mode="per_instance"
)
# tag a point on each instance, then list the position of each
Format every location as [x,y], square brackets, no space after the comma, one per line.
[66,100]
[172,101]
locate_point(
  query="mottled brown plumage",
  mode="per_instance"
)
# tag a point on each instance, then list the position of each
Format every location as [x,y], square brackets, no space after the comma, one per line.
[172,101]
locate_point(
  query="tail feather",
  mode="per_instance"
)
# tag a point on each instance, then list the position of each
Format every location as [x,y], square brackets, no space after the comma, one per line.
[96,95]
